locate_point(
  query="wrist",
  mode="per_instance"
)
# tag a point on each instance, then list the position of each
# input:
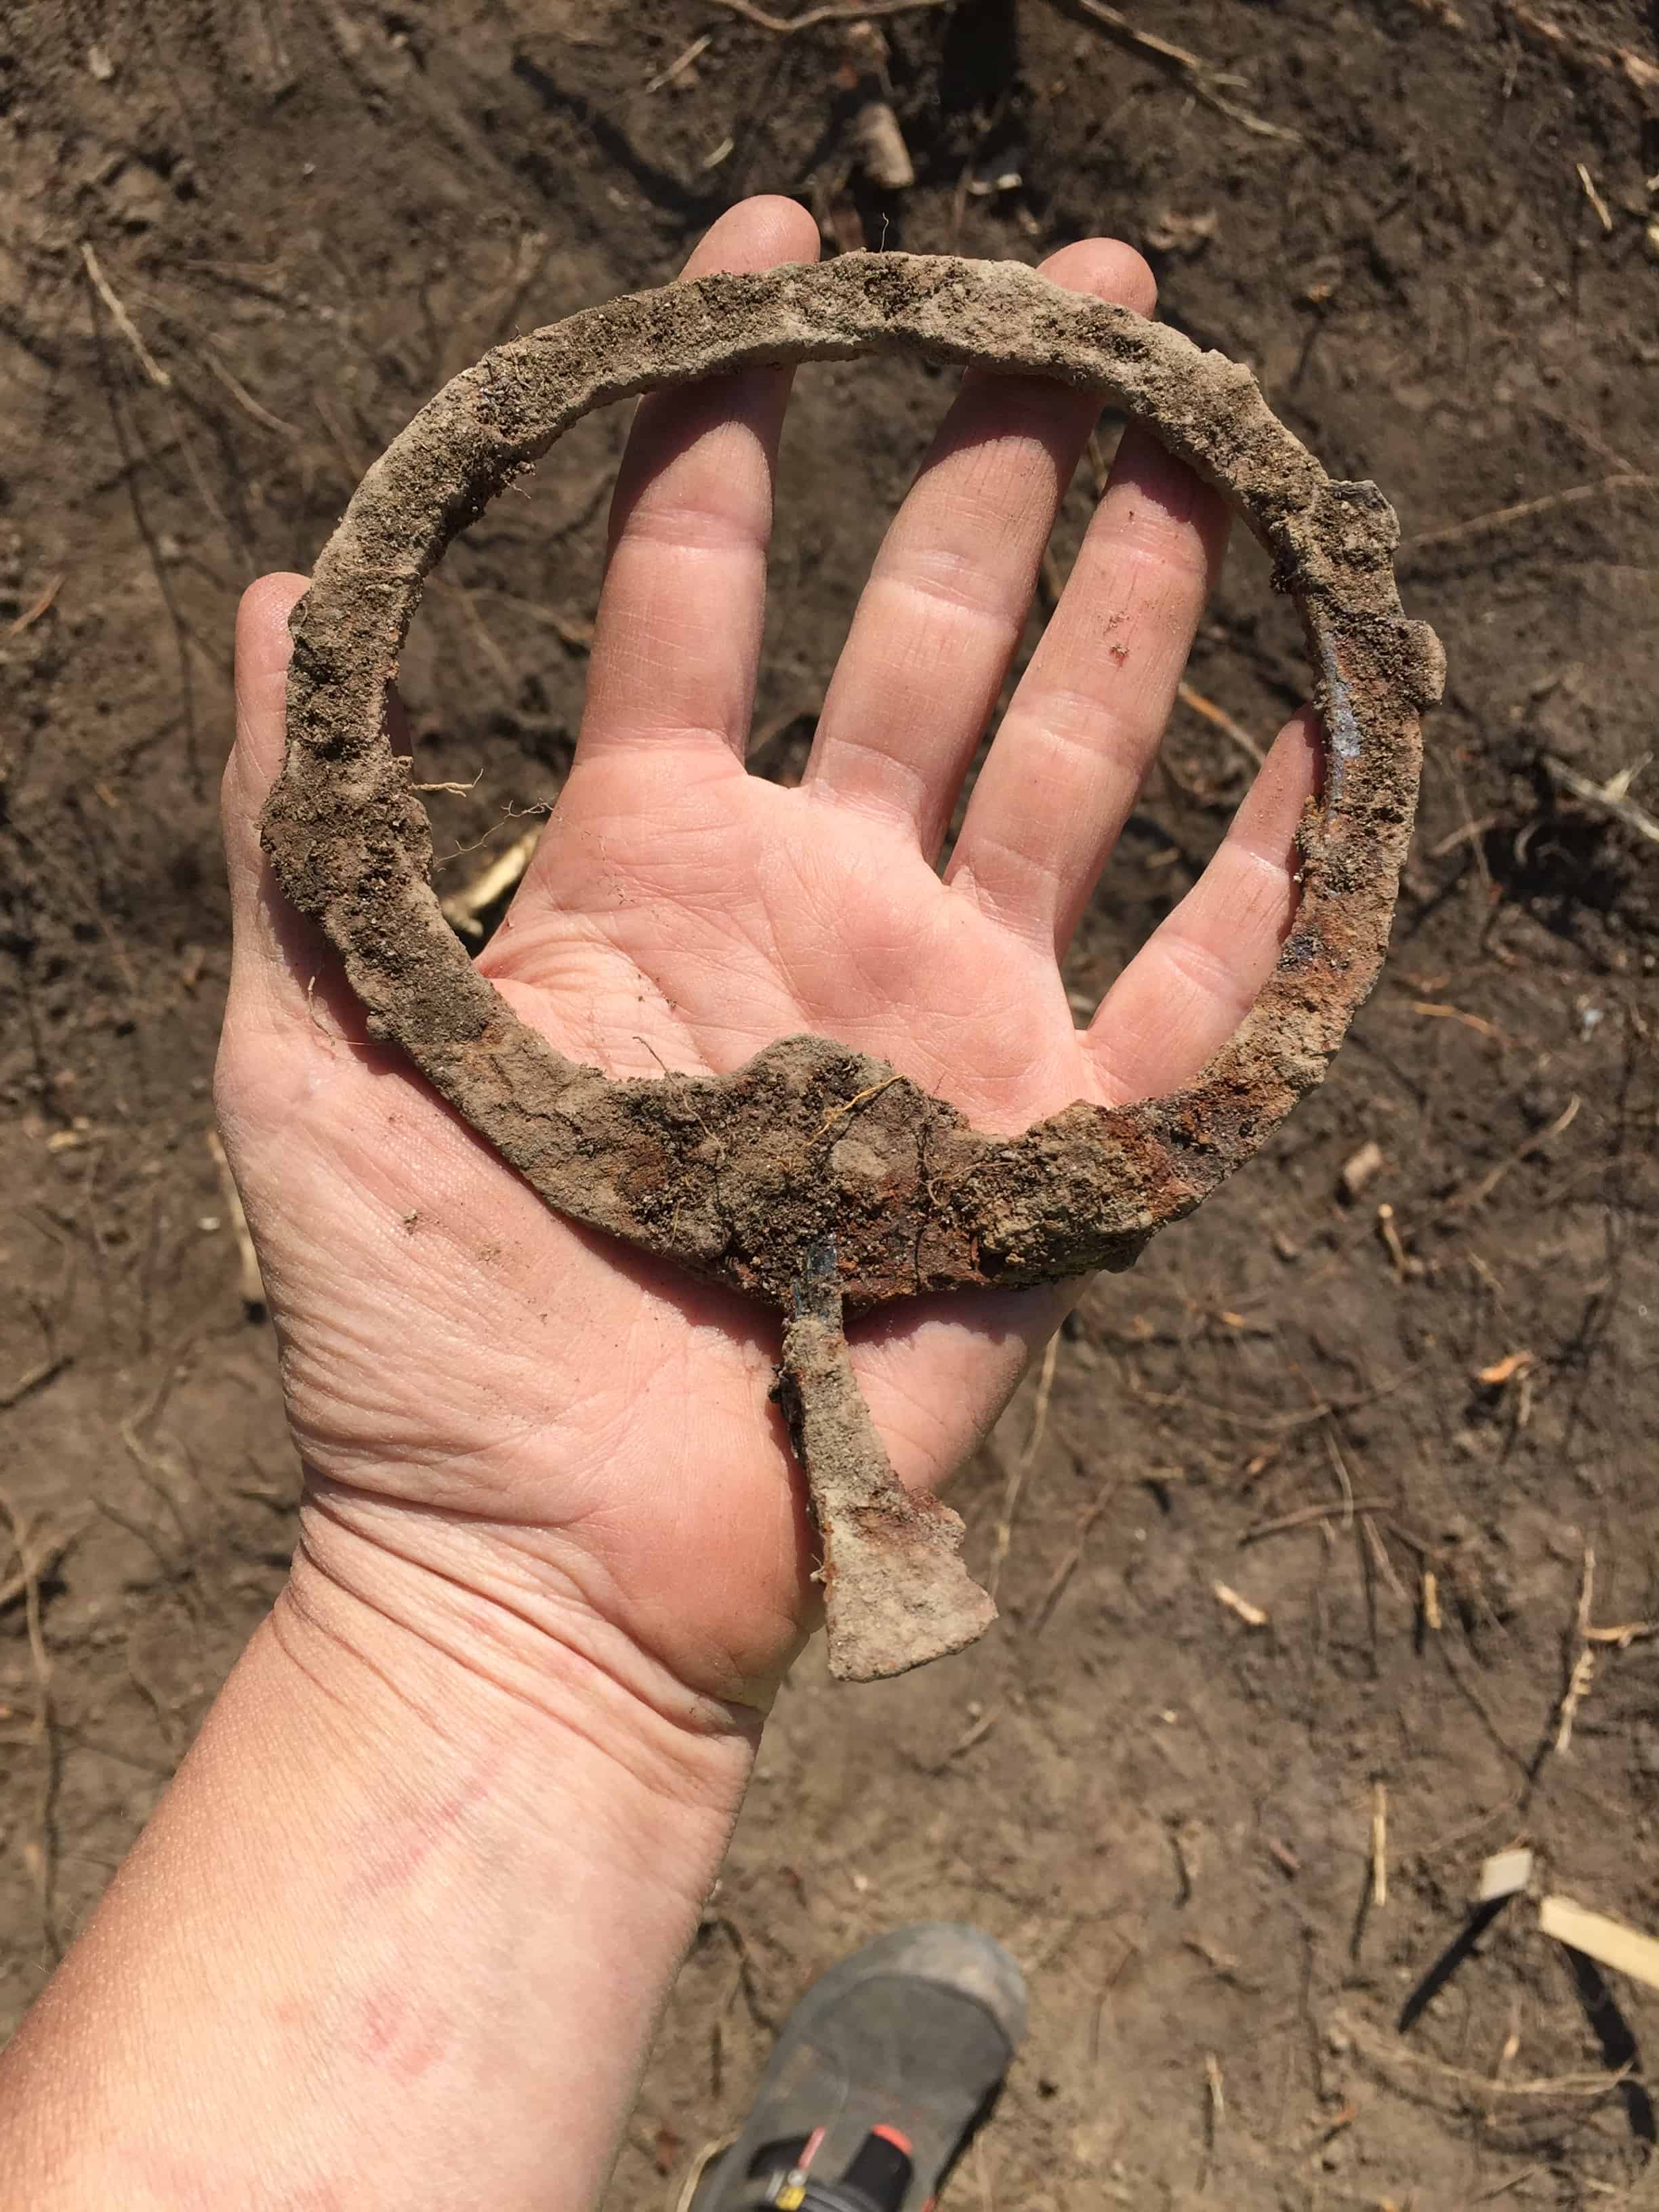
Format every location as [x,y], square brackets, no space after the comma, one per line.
[404,1925]
[463,1617]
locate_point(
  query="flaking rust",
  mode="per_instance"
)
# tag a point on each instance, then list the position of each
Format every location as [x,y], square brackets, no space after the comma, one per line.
[814,1177]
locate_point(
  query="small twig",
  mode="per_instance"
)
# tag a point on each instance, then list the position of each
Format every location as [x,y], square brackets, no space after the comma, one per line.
[1475,1022]
[123,321]
[453,789]
[681,63]
[1525,508]
[1222,720]
[1340,1469]
[1399,1259]
[1477,1193]
[45,1555]
[976,1732]
[1468,832]
[1622,1634]
[1216,2102]
[34,1379]
[687,2191]
[1431,1600]
[1202,79]
[1608,798]
[1331,1509]
[1582,1673]
[1068,1565]
[1251,1615]
[1395,2052]
[1379,1844]
[462,909]
[873,129]
[487,644]
[40,1854]
[1603,214]
[575,634]
[784,27]
[246,400]
[1022,1466]
[1279,1423]
[1379,1551]
[37,606]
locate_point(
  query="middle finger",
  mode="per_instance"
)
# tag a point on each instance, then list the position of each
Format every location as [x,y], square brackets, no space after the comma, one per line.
[938,623]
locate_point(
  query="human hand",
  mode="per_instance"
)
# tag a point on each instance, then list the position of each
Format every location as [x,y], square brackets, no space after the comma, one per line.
[535,1442]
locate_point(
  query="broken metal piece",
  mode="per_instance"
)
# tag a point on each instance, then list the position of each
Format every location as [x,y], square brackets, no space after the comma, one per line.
[742,1178]
[895,1593]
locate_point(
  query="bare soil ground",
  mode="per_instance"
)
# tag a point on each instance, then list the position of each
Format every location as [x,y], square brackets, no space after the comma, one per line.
[243,240]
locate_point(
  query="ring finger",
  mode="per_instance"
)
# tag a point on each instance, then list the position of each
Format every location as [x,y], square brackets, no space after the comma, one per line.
[1083,727]
[938,623]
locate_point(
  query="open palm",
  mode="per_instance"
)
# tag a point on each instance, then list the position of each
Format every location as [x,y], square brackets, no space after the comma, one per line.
[575,1437]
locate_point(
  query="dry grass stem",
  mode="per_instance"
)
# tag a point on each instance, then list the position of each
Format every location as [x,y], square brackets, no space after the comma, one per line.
[122,320]
[1201,78]
[1346,1508]
[45,1553]
[1582,1672]
[979,1727]
[1251,1615]
[1379,1844]
[680,2197]
[1474,1022]
[1623,1634]
[1379,1551]
[39,1845]
[1391,2053]
[1523,510]
[1068,1565]
[1477,1193]
[1023,1465]
[1603,213]
[37,606]
[246,400]
[1611,797]
[1222,720]
[681,63]
[34,1379]
[463,909]
[784,27]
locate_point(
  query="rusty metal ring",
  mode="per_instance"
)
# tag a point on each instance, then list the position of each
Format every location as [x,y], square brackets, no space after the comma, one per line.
[1083,1189]
[813,1175]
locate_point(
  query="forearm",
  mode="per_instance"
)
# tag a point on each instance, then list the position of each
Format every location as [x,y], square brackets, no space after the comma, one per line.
[397,1935]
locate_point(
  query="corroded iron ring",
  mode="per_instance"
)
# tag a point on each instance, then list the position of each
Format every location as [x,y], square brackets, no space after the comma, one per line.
[728,1175]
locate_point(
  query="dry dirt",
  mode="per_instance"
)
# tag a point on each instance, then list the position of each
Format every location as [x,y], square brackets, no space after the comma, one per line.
[311,212]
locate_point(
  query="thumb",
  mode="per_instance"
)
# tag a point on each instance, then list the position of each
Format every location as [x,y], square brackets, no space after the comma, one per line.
[278,958]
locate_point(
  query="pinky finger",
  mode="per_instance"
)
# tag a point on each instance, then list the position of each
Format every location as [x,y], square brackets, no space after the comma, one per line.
[1196,977]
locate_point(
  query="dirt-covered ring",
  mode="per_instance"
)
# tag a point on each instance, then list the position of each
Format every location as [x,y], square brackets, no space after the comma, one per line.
[742,1177]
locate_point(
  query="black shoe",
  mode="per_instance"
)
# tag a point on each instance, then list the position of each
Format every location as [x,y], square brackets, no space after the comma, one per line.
[881,2074]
